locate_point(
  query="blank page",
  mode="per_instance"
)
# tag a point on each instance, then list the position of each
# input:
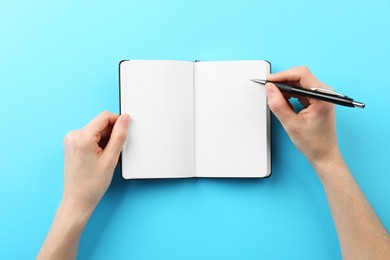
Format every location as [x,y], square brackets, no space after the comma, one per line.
[231,119]
[158,95]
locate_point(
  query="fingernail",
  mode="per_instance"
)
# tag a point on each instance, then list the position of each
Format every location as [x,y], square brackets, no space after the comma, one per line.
[125,119]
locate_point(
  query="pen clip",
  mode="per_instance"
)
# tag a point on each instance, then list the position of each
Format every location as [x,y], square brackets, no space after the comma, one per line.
[330,92]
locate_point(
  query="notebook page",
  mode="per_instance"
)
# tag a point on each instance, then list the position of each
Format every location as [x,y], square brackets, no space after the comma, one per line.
[158,95]
[231,119]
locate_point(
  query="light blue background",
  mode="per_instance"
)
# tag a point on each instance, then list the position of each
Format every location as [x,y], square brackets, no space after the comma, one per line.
[59,68]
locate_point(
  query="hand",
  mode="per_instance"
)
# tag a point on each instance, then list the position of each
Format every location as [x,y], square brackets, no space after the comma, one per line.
[91,155]
[313,129]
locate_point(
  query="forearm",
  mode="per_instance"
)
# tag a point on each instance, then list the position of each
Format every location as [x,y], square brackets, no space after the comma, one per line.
[63,238]
[361,234]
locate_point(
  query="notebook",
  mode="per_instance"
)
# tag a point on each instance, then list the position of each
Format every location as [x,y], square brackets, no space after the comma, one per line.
[195,119]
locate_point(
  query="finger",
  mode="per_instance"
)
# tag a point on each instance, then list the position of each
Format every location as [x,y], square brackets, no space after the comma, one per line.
[284,76]
[290,105]
[300,75]
[117,139]
[279,105]
[101,122]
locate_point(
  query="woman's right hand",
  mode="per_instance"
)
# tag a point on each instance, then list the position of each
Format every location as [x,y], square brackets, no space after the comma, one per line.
[313,129]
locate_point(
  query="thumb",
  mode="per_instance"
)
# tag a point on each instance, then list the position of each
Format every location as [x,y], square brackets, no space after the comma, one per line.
[117,138]
[278,104]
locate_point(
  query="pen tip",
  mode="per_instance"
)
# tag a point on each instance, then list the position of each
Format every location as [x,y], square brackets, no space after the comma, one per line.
[260,81]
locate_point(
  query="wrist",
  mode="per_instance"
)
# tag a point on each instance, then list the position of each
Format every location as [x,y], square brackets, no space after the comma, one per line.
[76,216]
[328,166]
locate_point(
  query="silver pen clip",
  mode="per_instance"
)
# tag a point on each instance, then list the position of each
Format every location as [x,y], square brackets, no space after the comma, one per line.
[330,92]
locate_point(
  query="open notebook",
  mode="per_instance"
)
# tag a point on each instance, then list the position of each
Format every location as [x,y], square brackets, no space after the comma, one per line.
[195,119]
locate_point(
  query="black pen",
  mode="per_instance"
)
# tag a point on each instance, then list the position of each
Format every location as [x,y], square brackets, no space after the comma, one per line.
[317,93]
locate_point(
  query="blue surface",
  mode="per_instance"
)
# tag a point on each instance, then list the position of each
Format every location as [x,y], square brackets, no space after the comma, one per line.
[58,69]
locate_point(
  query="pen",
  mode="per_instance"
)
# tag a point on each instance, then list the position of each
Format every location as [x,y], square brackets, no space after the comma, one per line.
[317,93]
